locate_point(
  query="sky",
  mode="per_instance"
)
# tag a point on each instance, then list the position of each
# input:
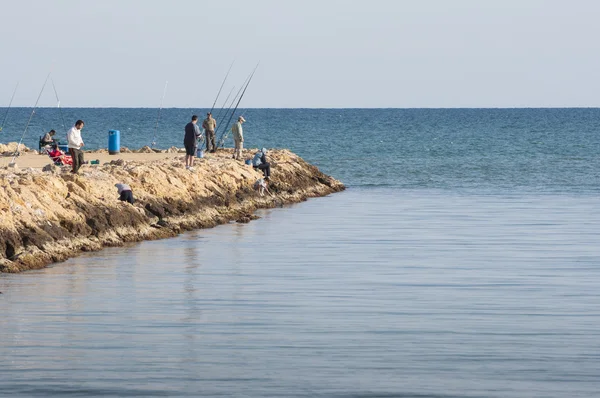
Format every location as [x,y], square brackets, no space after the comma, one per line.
[311,54]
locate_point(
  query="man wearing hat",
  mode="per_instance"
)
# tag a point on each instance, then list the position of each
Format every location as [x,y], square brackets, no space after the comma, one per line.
[209,125]
[238,138]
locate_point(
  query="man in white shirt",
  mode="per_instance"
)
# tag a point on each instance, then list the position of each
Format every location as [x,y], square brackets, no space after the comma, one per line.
[74,144]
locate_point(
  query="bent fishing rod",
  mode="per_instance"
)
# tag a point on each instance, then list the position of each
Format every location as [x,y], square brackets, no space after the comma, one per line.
[222,141]
[158,116]
[9,104]
[221,88]
[59,108]
[29,121]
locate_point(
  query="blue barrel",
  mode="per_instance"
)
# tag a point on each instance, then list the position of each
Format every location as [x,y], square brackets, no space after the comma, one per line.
[200,153]
[114,142]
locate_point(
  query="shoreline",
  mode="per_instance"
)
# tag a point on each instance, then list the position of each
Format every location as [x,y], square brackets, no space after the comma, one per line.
[48,215]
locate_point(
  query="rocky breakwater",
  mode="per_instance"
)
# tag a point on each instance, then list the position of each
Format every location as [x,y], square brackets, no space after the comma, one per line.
[51,215]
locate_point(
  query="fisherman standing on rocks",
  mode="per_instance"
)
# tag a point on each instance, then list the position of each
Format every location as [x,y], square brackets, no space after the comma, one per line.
[190,141]
[238,138]
[74,144]
[209,125]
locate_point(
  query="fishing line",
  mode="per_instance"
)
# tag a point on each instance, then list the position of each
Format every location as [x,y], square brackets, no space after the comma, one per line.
[59,108]
[9,104]
[231,105]
[29,121]
[158,116]
[222,141]
[219,93]
[224,103]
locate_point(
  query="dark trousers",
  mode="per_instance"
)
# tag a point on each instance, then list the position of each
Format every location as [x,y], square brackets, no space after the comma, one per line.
[77,156]
[210,140]
[266,169]
[126,196]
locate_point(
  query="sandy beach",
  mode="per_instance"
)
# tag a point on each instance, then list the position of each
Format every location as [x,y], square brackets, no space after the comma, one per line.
[31,160]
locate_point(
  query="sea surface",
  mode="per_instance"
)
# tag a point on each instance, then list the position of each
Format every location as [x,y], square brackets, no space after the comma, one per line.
[462,261]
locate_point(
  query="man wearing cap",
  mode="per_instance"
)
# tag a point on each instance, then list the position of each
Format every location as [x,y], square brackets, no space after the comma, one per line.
[238,138]
[209,125]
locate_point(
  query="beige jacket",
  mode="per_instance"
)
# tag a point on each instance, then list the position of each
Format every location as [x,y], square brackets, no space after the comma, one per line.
[209,124]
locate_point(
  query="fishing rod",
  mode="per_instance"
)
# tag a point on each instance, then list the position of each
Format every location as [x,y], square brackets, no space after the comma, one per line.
[59,108]
[222,141]
[232,102]
[9,104]
[12,162]
[221,88]
[224,103]
[201,140]
[158,116]
[229,108]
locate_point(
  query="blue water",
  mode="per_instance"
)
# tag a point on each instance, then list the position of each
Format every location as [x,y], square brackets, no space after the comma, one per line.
[534,150]
[462,261]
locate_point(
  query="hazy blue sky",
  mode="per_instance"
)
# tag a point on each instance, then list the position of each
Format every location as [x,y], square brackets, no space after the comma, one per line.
[327,53]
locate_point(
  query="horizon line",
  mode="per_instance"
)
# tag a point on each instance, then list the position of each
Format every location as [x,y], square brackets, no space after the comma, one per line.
[312,108]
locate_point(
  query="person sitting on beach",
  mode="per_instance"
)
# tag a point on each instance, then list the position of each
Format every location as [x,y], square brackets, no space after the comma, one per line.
[48,138]
[126,195]
[260,162]
[59,157]
[262,186]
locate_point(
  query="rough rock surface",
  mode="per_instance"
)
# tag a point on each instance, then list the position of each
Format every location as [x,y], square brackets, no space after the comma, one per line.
[10,148]
[49,216]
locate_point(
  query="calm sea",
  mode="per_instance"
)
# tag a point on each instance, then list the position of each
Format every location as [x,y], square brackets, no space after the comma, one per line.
[462,261]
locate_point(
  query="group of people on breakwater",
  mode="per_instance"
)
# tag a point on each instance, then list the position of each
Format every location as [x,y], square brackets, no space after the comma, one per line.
[74,145]
[193,135]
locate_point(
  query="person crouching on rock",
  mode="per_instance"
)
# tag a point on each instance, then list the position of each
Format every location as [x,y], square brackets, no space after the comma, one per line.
[124,190]
[260,162]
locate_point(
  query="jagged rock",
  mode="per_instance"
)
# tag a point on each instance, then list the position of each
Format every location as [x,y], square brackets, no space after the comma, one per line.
[49,168]
[117,162]
[173,149]
[57,215]
[11,147]
[144,149]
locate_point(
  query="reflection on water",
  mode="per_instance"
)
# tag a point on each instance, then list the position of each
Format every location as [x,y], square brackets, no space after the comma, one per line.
[364,293]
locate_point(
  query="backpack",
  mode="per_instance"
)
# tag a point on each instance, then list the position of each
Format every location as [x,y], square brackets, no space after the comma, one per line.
[257,159]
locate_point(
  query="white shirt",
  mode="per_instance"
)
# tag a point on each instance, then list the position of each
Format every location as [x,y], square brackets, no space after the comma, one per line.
[74,138]
[122,187]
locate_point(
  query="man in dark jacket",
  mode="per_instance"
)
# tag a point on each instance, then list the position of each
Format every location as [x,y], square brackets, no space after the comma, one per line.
[190,141]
